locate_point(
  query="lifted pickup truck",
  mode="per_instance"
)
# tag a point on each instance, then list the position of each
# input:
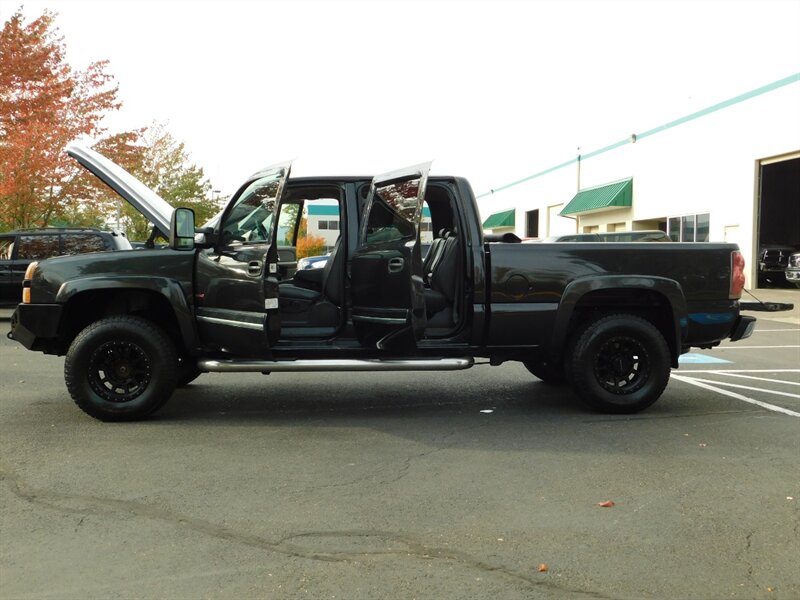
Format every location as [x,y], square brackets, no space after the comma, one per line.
[609,318]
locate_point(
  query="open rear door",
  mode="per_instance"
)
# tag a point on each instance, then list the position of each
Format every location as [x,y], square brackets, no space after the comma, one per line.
[386,270]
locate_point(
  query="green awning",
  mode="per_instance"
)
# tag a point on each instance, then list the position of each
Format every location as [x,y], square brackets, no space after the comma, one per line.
[500,219]
[612,195]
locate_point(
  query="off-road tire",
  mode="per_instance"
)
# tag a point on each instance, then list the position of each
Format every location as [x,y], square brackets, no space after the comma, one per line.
[619,364]
[121,368]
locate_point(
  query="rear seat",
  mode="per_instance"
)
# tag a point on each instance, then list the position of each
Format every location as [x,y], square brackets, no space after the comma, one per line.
[433,253]
[442,274]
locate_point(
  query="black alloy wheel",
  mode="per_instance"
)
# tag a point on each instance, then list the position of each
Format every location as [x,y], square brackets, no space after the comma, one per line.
[619,364]
[119,371]
[622,365]
[121,368]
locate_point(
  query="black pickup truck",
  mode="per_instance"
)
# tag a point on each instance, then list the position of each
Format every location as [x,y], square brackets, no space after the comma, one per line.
[609,318]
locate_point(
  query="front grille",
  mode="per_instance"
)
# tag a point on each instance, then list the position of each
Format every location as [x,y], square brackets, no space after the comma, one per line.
[776,257]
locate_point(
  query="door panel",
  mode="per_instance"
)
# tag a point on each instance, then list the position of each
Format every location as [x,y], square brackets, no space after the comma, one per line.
[386,269]
[237,279]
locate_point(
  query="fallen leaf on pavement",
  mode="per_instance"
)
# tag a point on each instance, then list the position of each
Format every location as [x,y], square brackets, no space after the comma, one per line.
[542,568]
[606,504]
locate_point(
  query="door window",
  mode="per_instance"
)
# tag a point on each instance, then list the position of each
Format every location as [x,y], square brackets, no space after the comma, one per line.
[37,247]
[393,213]
[250,219]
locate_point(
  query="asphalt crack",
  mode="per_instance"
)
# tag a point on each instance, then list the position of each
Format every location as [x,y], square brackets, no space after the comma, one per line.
[296,545]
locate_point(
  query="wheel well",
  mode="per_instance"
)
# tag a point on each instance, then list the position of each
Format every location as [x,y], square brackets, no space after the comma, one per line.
[86,307]
[647,304]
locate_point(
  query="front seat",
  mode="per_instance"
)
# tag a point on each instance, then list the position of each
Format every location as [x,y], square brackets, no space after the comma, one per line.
[313,296]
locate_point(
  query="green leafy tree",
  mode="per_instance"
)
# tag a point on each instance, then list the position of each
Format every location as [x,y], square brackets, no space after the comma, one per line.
[162,163]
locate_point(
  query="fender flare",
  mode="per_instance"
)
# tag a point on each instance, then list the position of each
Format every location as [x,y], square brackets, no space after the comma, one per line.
[668,288]
[170,289]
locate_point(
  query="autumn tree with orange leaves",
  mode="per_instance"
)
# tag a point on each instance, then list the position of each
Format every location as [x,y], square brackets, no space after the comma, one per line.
[44,104]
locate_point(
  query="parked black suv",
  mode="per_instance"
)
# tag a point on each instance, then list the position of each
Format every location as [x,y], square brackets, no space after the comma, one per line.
[20,248]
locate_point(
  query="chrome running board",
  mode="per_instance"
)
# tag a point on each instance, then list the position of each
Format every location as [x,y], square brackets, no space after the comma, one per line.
[278,366]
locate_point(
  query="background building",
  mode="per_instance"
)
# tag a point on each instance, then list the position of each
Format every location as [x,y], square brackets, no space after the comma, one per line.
[717,174]
[323,220]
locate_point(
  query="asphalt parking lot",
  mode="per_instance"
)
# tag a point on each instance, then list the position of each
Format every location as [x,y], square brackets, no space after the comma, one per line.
[477,484]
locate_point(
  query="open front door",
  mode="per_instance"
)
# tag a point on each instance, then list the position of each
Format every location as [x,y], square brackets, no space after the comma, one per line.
[386,269]
[237,280]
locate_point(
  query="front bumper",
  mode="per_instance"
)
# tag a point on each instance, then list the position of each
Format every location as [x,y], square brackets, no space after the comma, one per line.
[35,326]
[743,328]
[792,275]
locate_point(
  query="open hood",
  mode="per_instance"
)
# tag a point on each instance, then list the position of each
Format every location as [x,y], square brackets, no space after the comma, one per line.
[154,208]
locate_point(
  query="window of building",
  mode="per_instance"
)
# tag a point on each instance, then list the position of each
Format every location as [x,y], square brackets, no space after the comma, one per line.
[532,223]
[703,224]
[328,225]
[689,228]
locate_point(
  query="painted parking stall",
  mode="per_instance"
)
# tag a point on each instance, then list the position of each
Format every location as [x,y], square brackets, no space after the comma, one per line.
[762,373]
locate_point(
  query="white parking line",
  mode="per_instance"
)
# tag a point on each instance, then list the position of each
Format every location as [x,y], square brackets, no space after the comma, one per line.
[743,370]
[771,330]
[759,378]
[747,387]
[740,347]
[712,388]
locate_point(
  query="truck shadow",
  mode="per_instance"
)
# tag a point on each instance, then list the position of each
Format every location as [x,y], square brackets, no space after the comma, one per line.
[491,412]
[343,396]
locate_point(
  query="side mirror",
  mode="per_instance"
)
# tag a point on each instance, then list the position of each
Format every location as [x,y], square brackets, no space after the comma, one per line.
[181,229]
[204,237]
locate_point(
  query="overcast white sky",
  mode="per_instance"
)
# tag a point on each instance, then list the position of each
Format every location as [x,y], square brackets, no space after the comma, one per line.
[494,91]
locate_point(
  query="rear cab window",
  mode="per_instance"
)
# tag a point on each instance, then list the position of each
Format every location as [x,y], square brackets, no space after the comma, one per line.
[37,247]
[82,243]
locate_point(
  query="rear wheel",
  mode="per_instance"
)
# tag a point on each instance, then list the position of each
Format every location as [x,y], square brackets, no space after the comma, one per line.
[121,368]
[620,364]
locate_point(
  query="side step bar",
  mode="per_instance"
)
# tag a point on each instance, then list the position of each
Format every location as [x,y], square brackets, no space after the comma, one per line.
[275,366]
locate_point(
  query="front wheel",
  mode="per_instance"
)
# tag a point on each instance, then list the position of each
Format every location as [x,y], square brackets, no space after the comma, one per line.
[620,364]
[121,368]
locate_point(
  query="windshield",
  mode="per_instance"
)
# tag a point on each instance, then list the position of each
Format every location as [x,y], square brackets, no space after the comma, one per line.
[250,218]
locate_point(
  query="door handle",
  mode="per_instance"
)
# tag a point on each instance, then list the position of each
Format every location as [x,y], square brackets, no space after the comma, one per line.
[396,264]
[254,268]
